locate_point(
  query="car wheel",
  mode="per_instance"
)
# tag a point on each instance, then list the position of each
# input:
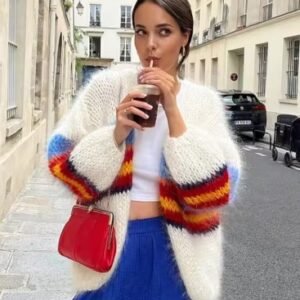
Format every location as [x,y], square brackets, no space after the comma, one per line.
[274,154]
[259,134]
[288,159]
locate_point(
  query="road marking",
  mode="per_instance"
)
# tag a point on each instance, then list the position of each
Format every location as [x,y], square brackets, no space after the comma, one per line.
[295,168]
[253,147]
[246,149]
[260,154]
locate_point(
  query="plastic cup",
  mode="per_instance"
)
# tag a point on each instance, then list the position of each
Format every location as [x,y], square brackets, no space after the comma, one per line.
[152,93]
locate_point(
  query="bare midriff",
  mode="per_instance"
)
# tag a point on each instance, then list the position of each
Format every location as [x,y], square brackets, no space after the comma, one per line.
[144,210]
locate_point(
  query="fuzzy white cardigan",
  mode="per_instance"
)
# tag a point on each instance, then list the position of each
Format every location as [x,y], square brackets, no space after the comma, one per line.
[193,157]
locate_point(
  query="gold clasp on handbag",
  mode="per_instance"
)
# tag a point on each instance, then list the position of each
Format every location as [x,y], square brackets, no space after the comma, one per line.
[91,207]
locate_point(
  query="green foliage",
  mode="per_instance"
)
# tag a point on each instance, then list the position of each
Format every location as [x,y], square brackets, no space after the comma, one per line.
[78,34]
[79,65]
[68,4]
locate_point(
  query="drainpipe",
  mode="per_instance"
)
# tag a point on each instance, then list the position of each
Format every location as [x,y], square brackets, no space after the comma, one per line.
[51,81]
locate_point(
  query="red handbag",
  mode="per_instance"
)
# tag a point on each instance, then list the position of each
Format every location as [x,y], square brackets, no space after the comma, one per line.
[89,238]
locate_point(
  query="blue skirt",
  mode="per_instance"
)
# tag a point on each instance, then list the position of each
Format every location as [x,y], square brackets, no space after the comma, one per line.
[146,270]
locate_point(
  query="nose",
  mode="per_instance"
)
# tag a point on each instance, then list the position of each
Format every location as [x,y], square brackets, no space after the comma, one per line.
[151,42]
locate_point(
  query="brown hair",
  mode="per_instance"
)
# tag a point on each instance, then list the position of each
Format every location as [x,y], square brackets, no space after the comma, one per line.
[181,11]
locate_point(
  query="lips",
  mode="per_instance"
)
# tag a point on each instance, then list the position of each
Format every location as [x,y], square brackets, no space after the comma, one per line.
[155,60]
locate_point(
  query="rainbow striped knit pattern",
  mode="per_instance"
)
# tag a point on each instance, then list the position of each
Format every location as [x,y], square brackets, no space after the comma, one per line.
[202,197]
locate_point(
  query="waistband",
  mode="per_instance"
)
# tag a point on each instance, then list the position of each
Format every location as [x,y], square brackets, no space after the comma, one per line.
[146,225]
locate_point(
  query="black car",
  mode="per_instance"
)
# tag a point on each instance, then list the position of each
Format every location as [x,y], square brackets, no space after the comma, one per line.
[245,112]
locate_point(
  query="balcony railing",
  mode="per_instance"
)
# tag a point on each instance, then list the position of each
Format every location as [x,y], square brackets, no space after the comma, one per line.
[218,30]
[195,39]
[267,11]
[205,36]
[11,113]
[95,24]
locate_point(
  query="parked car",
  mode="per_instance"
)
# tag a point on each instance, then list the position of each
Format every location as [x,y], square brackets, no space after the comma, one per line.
[244,112]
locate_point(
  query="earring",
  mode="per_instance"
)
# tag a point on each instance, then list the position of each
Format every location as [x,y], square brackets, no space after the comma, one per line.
[183,51]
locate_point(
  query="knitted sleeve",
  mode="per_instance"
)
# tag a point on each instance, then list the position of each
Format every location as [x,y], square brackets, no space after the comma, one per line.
[204,162]
[82,152]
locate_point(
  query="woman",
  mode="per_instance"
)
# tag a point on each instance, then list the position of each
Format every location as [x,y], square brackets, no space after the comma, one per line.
[166,184]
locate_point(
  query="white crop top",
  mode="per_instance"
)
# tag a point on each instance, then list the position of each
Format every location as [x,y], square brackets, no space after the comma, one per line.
[147,157]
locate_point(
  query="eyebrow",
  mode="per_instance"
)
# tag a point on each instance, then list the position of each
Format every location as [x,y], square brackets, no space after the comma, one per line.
[159,25]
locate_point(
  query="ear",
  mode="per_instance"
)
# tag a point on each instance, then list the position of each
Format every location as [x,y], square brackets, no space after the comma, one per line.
[185,37]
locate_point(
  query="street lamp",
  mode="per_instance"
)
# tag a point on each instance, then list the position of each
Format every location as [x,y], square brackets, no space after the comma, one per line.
[80,8]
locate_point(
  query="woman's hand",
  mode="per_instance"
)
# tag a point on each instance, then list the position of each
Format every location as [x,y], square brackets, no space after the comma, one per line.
[167,84]
[124,115]
[169,88]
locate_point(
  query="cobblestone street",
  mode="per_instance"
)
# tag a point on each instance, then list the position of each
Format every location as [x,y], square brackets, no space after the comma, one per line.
[30,267]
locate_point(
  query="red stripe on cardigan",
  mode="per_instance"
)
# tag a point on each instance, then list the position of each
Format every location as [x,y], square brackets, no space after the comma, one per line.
[209,186]
[77,183]
[177,220]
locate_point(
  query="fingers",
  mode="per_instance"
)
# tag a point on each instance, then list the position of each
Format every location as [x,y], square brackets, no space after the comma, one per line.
[134,103]
[158,77]
[135,111]
[127,109]
[125,119]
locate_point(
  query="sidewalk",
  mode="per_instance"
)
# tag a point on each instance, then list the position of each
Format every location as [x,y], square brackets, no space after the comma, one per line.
[30,267]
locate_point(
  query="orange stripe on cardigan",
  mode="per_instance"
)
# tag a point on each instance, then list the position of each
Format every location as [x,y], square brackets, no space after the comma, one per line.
[123,181]
[195,222]
[214,192]
[62,168]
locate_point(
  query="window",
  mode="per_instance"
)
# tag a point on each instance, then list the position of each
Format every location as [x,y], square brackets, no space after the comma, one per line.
[293,68]
[202,71]
[294,5]
[214,72]
[243,7]
[267,10]
[95,46]
[192,71]
[197,20]
[220,10]
[182,71]
[125,16]
[208,14]
[125,53]
[95,15]
[12,56]
[240,99]
[262,69]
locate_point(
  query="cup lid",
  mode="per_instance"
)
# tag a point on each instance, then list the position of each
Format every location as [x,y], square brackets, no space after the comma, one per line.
[147,89]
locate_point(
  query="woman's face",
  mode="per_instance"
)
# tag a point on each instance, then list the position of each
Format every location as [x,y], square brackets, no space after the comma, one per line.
[158,37]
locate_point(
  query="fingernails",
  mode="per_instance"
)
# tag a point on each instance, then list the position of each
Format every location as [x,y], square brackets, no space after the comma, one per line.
[146,116]
[149,106]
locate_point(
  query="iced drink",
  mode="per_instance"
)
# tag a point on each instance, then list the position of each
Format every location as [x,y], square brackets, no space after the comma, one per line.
[152,98]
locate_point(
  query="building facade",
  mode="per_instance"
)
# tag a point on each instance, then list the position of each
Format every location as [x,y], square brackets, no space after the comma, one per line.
[250,45]
[104,35]
[36,85]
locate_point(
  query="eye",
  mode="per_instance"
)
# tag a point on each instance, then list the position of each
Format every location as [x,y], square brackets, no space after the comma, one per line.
[165,32]
[140,32]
